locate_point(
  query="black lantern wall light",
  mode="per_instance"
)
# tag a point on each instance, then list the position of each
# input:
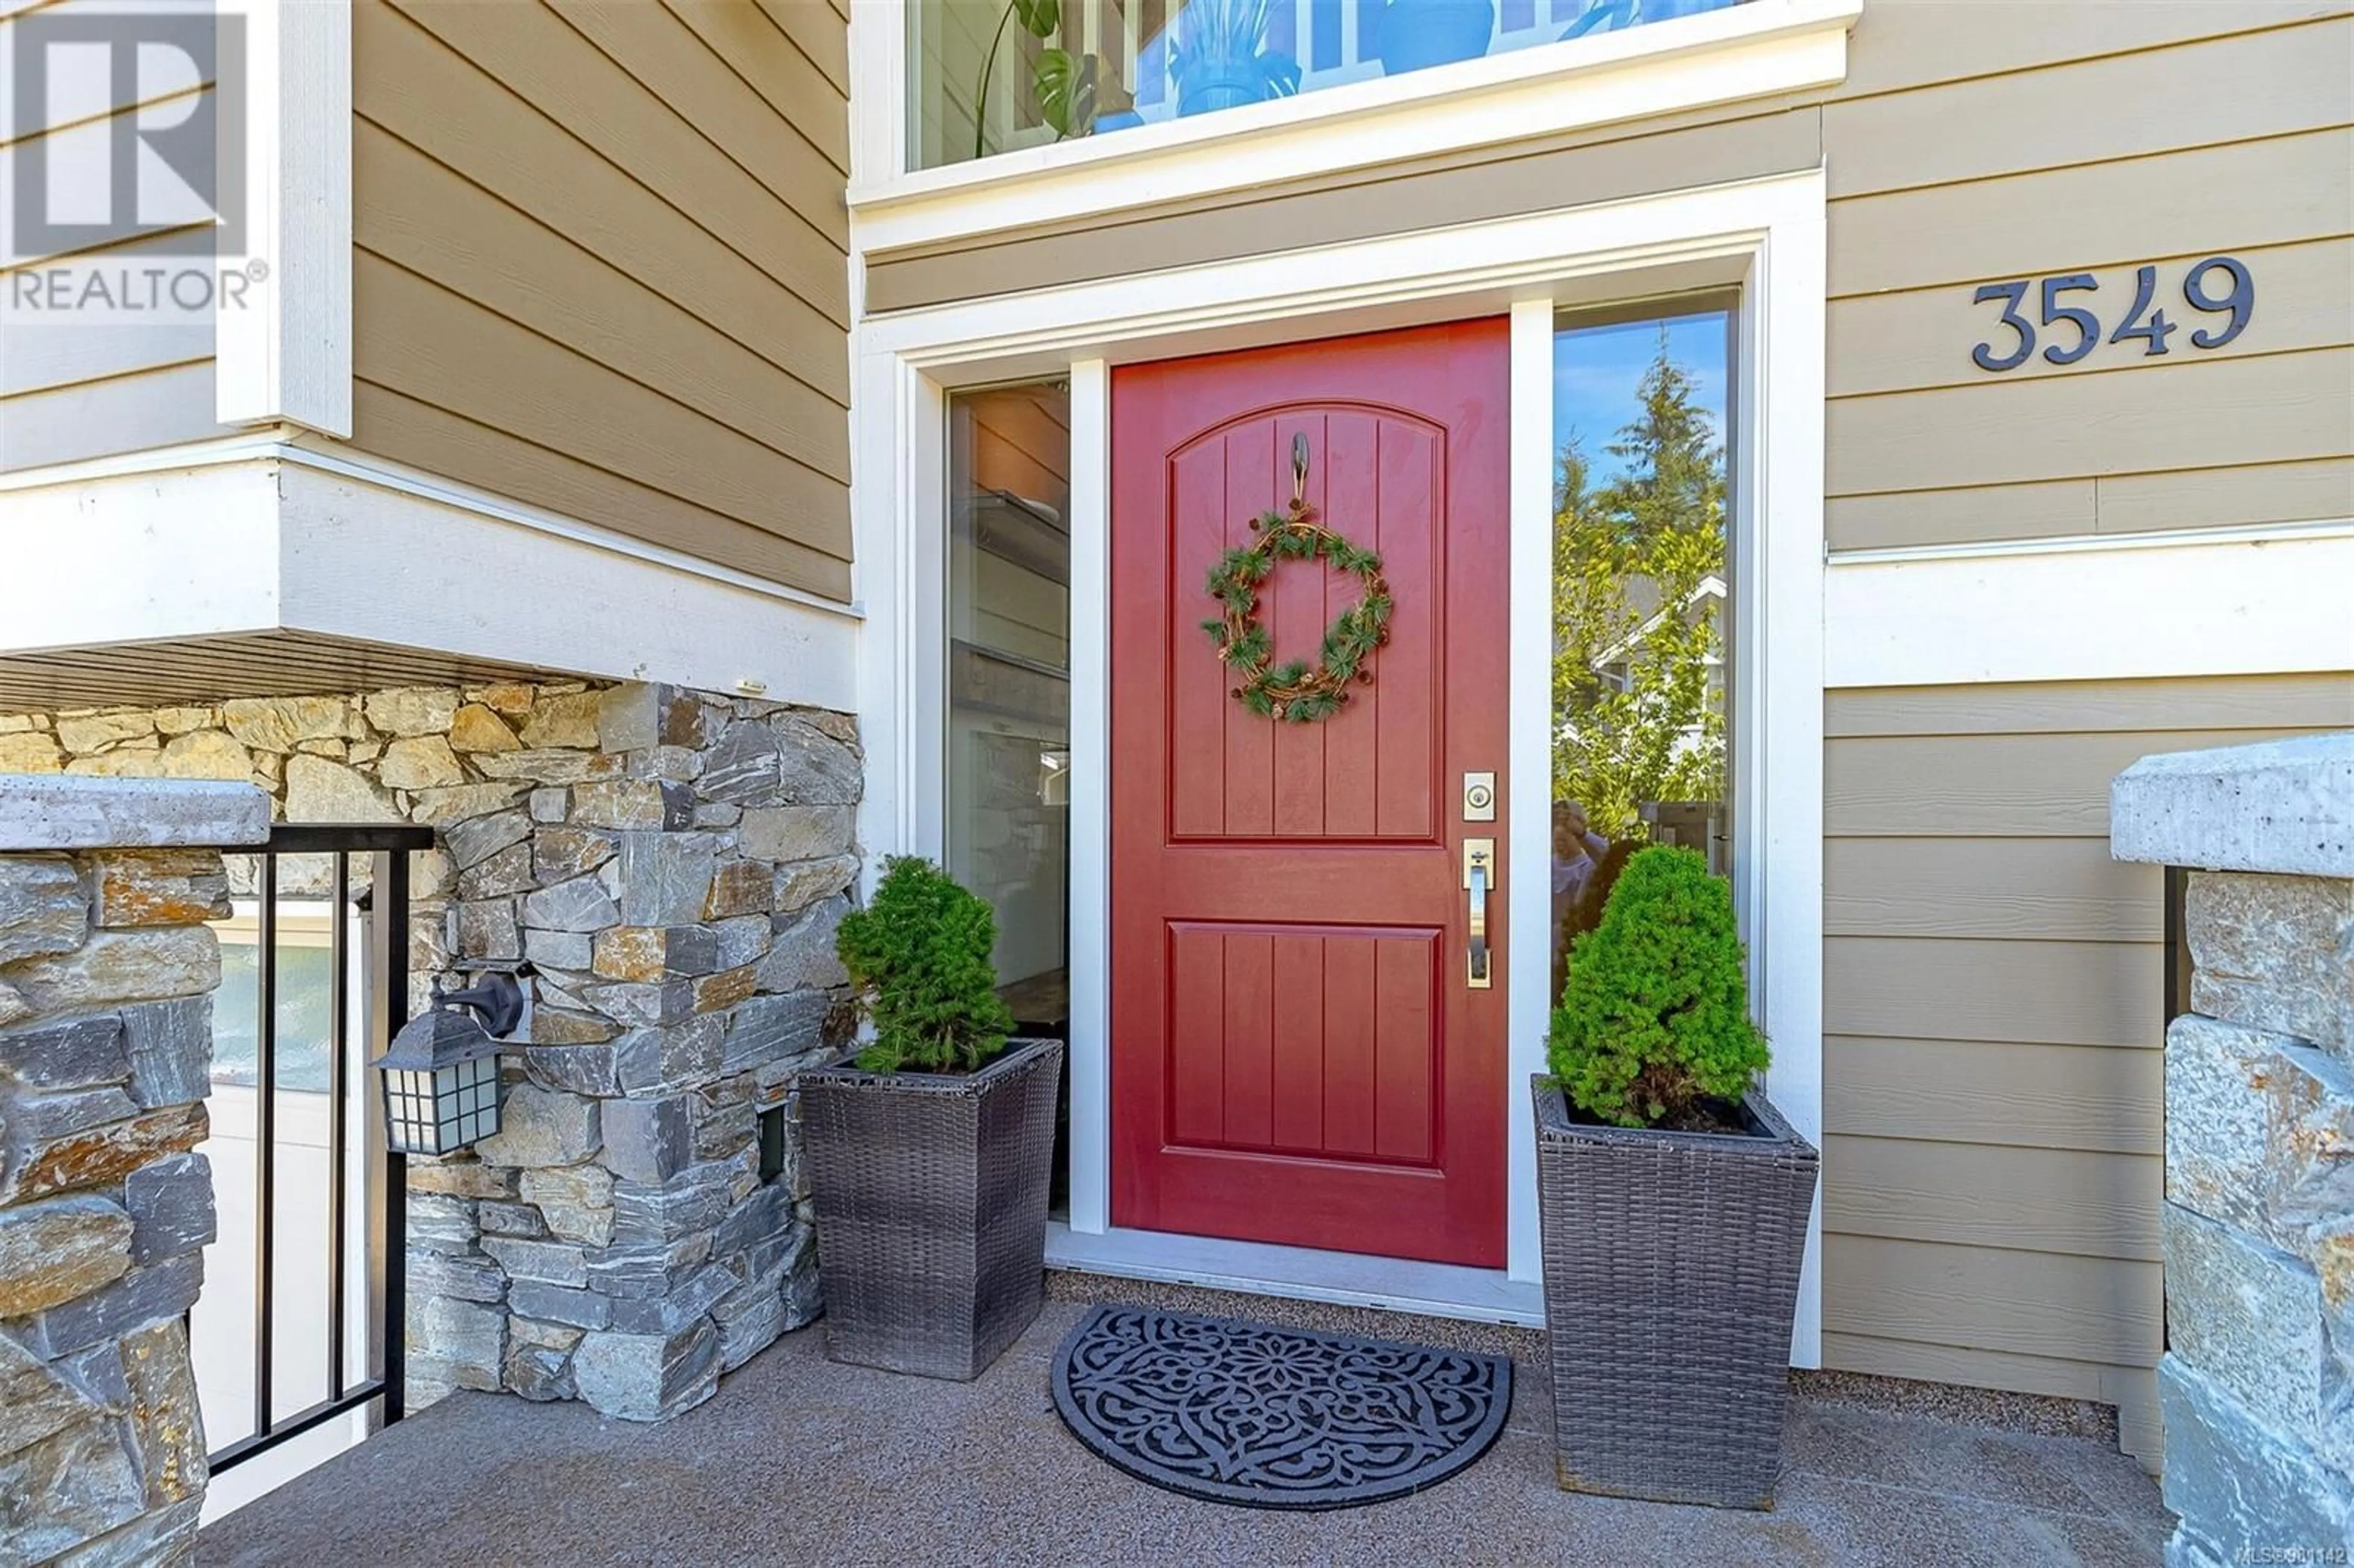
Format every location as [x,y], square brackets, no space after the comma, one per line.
[441,1089]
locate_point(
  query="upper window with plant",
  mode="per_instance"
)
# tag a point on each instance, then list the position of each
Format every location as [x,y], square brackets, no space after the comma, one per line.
[992,76]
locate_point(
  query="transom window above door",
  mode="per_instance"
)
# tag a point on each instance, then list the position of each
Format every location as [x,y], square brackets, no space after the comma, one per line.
[995,75]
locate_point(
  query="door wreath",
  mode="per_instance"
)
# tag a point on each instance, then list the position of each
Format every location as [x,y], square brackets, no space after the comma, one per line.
[1296,690]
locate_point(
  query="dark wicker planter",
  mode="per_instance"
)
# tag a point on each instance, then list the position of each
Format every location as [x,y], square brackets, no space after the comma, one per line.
[1670,1277]
[931,1208]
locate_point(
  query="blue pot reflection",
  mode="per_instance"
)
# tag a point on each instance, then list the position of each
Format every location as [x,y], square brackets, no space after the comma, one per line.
[1417,33]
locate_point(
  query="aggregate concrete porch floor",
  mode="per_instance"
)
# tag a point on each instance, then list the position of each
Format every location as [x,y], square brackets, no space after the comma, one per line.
[799,1461]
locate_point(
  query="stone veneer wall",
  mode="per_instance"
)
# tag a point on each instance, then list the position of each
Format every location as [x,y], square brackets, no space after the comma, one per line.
[106,976]
[2257,1384]
[672,865]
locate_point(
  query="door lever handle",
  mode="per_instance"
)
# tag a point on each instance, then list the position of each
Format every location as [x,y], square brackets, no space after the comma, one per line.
[1479,880]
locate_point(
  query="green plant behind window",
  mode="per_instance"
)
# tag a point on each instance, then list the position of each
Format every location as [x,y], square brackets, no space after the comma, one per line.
[918,955]
[1063,83]
[1655,1016]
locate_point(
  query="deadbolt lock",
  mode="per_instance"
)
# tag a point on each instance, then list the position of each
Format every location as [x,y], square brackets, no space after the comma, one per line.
[1478,797]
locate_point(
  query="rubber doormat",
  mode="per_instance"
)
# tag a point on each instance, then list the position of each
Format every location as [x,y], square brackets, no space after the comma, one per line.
[1268,1417]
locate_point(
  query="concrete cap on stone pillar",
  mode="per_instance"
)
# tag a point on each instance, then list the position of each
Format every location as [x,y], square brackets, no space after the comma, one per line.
[2285,806]
[60,811]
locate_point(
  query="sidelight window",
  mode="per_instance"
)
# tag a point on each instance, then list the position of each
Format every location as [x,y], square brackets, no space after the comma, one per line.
[1008,745]
[1643,580]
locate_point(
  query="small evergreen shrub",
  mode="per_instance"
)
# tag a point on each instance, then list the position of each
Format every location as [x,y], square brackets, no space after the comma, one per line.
[918,955]
[1655,1015]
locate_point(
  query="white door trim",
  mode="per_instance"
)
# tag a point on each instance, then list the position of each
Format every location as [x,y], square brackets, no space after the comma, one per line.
[1769,234]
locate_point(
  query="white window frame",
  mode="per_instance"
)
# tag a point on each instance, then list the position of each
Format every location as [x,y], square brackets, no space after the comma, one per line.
[1756,50]
[1767,234]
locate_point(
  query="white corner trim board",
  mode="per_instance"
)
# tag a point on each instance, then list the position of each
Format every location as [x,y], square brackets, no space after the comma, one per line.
[2244,601]
[878,97]
[1767,235]
[1751,50]
[285,354]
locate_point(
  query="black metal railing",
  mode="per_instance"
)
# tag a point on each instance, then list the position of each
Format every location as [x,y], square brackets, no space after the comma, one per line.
[2177,945]
[382,916]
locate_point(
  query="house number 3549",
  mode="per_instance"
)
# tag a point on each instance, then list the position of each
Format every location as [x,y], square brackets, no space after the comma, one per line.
[2218,286]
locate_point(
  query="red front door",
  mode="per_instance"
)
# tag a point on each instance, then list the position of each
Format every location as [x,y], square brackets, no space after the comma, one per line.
[1297,1054]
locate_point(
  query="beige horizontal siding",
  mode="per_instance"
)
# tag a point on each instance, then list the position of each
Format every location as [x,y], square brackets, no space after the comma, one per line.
[600,267]
[2127,1387]
[600,313]
[2322,490]
[2239,495]
[160,407]
[2149,101]
[2115,137]
[1917,339]
[2000,889]
[1901,46]
[485,367]
[1994,1092]
[787,77]
[490,458]
[821,38]
[2001,786]
[2194,413]
[2070,1201]
[47,358]
[2323,700]
[2103,1310]
[674,63]
[69,393]
[2283,191]
[1962,515]
[2062,993]
[1992,1010]
[545,59]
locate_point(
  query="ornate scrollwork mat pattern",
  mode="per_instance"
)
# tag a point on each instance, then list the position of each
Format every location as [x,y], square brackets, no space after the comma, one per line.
[1267,1417]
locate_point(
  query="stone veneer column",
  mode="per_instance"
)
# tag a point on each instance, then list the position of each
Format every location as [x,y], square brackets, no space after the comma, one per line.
[106,978]
[2257,1384]
[673,865]
[674,877]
